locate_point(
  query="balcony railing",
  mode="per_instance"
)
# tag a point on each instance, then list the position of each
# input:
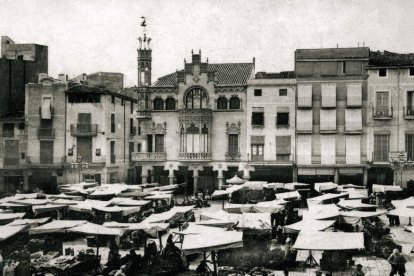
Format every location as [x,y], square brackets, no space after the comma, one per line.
[46,133]
[149,156]
[45,161]
[382,113]
[233,156]
[195,156]
[84,130]
[408,112]
[143,114]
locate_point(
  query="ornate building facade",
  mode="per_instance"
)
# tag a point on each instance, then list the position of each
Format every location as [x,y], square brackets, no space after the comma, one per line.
[192,122]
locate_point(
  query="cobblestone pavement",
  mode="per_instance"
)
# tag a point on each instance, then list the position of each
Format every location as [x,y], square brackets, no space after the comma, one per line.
[372,265]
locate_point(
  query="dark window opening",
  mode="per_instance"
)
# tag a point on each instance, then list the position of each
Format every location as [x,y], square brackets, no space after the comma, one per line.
[8,130]
[412,71]
[282,119]
[343,67]
[113,157]
[382,72]
[158,104]
[233,145]
[258,92]
[113,99]
[221,103]
[132,129]
[122,102]
[84,98]
[234,102]
[257,118]
[113,123]
[282,92]
[170,104]
[132,107]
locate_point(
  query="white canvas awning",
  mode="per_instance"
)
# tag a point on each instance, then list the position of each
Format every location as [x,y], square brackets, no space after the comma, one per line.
[274,185]
[56,226]
[47,208]
[150,228]
[324,198]
[295,186]
[353,217]
[354,204]
[376,188]
[329,241]
[273,206]
[8,231]
[169,215]
[403,212]
[235,180]
[321,212]
[198,239]
[96,229]
[403,202]
[63,196]
[316,225]
[288,195]
[117,209]
[238,208]
[10,216]
[31,222]
[325,186]
[87,205]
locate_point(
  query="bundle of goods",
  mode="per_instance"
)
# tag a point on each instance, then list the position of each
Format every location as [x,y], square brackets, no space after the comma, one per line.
[228,270]
[270,259]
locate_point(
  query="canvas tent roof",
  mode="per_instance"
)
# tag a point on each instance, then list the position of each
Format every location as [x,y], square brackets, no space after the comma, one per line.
[238,208]
[150,228]
[354,204]
[376,188]
[316,240]
[403,202]
[321,212]
[166,216]
[56,226]
[353,217]
[63,196]
[47,208]
[320,199]
[129,202]
[228,191]
[8,231]
[274,185]
[316,225]
[127,210]
[10,216]
[235,180]
[273,206]
[198,239]
[403,212]
[295,185]
[288,195]
[325,186]
[87,205]
[29,221]
[95,229]
[159,196]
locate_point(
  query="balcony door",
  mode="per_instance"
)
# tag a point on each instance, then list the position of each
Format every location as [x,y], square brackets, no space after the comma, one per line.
[84,145]
[382,103]
[84,122]
[46,152]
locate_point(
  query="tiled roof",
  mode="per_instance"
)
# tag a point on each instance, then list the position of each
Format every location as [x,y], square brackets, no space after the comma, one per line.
[379,59]
[280,75]
[226,73]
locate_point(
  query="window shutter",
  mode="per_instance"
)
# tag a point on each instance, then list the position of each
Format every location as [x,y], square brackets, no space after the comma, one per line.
[283,145]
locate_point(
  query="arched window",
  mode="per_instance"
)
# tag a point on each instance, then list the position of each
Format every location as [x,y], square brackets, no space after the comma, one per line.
[170,103]
[158,104]
[196,98]
[222,103]
[234,102]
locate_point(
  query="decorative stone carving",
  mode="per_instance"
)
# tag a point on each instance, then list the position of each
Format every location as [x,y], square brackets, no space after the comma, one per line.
[220,89]
[232,128]
[153,128]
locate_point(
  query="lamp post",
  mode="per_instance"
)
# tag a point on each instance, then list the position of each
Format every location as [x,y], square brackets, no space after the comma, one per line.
[79,166]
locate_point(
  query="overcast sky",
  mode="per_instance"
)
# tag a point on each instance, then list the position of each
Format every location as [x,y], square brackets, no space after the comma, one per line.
[86,36]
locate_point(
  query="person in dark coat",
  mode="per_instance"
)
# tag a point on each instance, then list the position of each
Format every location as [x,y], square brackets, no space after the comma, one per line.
[397,262]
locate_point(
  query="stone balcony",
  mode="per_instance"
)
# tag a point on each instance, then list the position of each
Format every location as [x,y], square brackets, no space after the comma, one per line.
[195,156]
[148,156]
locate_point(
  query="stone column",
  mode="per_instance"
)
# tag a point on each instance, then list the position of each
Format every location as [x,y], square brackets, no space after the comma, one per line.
[365,177]
[295,174]
[336,176]
[246,174]
[144,146]
[195,180]
[26,183]
[171,176]
[220,178]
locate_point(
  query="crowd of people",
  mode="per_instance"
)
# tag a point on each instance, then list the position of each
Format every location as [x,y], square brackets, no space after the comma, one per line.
[18,263]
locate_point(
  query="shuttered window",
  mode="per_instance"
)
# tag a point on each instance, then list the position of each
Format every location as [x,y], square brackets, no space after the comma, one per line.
[353,149]
[327,120]
[159,143]
[233,144]
[354,94]
[409,146]
[328,95]
[382,104]
[113,123]
[47,108]
[305,95]
[304,120]
[381,147]
[283,148]
[304,150]
[328,150]
[353,119]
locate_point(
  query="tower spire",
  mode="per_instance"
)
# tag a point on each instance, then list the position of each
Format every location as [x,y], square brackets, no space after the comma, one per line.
[144,56]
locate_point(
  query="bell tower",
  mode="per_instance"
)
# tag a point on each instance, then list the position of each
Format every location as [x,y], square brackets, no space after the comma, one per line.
[144,57]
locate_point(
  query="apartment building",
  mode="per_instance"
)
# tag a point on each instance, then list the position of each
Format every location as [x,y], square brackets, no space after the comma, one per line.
[391,115]
[271,117]
[101,129]
[331,115]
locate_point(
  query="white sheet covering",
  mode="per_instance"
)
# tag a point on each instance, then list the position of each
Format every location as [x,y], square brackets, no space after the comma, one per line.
[323,198]
[308,240]
[325,186]
[376,188]
[198,239]
[315,225]
[8,231]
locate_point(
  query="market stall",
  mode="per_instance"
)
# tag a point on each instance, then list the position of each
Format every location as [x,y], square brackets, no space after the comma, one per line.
[6,218]
[303,225]
[355,204]
[321,212]
[295,186]
[288,196]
